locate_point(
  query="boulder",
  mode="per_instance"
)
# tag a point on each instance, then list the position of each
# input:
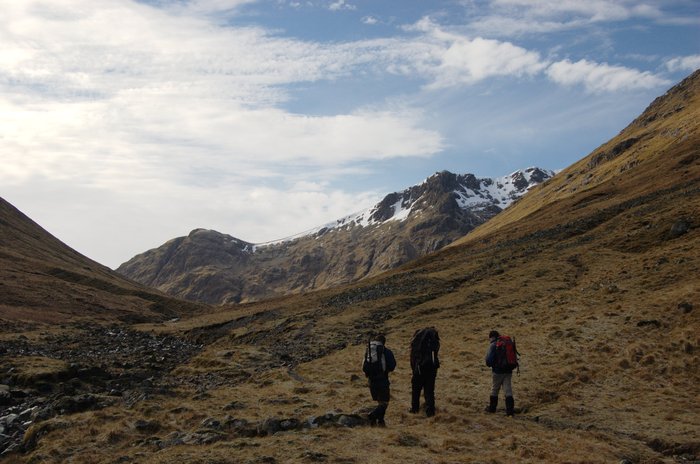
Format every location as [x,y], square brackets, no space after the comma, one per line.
[211,423]
[679,228]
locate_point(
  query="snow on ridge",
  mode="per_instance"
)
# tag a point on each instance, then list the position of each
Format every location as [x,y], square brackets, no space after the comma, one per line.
[361,218]
[499,191]
[400,212]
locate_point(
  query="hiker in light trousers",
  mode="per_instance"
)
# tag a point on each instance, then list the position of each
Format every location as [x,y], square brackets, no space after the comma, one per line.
[502,374]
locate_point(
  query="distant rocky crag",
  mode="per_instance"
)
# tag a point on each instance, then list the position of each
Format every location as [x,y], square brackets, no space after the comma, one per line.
[212,267]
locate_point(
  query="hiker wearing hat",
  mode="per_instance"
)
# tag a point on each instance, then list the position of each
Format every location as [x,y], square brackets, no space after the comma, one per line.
[502,358]
[378,362]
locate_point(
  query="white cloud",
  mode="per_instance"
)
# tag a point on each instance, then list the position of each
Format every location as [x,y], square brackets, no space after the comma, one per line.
[508,18]
[85,142]
[75,87]
[505,26]
[156,52]
[597,77]
[683,63]
[341,5]
[451,59]
[468,61]
[593,10]
[217,11]
[370,20]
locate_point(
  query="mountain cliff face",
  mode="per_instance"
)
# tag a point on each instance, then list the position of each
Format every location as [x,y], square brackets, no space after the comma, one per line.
[212,267]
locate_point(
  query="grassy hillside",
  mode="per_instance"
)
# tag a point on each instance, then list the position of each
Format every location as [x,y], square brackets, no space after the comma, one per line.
[594,273]
[44,281]
[656,152]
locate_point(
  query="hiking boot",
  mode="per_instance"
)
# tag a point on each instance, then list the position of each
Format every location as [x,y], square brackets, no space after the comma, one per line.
[430,412]
[381,423]
[493,404]
[510,406]
[372,419]
[413,411]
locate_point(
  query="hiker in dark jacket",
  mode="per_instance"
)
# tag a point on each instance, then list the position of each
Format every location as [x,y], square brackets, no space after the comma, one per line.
[377,364]
[425,346]
[502,377]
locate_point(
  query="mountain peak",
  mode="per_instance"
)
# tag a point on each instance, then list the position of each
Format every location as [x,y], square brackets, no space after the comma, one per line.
[218,268]
[468,191]
[212,236]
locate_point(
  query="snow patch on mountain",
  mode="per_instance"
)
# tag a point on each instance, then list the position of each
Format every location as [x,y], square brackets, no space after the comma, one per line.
[470,194]
[400,212]
[501,191]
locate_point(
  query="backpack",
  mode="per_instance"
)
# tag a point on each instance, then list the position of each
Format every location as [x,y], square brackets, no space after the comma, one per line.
[506,353]
[374,364]
[425,342]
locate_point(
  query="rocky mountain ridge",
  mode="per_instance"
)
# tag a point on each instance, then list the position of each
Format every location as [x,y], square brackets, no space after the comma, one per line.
[212,267]
[471,194]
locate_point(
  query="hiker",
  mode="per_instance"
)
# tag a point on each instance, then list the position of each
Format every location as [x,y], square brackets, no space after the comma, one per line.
[425,346]
[502,359]
[378,362]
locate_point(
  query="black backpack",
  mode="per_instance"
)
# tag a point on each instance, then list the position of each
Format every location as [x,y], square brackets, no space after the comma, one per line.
[374,364]
[425,342]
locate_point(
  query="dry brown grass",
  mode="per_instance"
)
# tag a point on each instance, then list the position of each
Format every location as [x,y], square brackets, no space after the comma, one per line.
[596,385]
[30,370]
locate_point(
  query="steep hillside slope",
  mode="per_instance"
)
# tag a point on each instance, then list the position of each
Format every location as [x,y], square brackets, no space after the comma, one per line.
[43,280]
[657,151]
[216,268]
[599,285]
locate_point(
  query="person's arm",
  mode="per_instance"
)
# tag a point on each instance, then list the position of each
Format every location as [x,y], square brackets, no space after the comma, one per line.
[436,360]
[390,360]
[490,354]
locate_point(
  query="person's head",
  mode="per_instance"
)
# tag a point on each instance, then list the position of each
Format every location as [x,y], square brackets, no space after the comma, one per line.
[380,338]
[493,335]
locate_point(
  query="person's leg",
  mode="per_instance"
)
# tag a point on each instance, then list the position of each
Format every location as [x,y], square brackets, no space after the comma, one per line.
[372,416]
[497,380]
[429,391]
[416,386]
[497,383]
[508,390]
[380,412]
[507,384]
[383,396]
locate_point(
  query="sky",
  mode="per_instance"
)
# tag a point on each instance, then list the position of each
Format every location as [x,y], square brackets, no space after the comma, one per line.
[124,124]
